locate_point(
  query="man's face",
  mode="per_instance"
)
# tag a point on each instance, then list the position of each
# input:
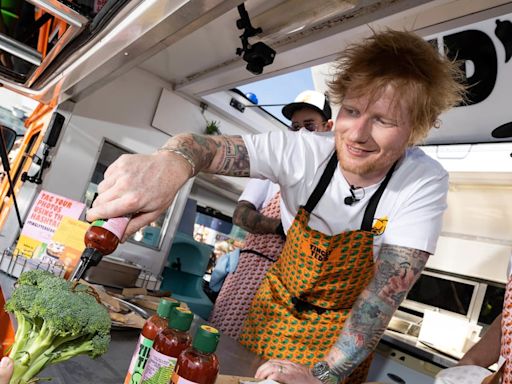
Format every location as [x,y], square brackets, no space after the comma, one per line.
[370,137]
[311,120]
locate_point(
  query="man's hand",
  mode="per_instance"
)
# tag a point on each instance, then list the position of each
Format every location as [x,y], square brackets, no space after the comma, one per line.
[141,185]
[6,369]
[286,372]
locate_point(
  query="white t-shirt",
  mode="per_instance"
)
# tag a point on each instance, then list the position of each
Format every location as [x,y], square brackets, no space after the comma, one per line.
[413,201]
[259,192]
[464,374]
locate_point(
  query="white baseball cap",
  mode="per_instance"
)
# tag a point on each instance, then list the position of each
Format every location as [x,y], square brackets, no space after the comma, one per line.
[309,99]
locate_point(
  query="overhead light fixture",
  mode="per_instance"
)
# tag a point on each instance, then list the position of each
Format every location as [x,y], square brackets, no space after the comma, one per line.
[256,55]
[292,16]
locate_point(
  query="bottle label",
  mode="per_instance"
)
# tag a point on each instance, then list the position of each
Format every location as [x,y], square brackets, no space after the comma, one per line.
[139,360]
[159,368]
[177,379]
[116,225]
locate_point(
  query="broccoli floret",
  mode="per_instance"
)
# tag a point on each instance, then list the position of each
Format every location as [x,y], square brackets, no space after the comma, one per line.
[56,321]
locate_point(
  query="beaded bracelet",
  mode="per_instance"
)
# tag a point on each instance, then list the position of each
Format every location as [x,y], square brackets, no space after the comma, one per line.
[178,152]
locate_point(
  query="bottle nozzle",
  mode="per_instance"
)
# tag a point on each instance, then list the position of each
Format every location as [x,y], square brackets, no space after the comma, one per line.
[90,257]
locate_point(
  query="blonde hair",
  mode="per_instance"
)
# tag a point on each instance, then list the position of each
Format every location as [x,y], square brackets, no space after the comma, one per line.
[428,82]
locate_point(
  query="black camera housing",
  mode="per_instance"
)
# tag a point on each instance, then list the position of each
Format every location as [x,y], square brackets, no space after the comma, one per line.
[258,56]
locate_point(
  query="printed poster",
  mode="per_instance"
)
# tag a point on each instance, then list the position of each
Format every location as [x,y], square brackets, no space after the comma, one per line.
[44,218]
[68,243]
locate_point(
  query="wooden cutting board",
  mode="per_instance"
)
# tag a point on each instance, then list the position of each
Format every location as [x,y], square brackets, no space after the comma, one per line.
[151,302]
[227,379]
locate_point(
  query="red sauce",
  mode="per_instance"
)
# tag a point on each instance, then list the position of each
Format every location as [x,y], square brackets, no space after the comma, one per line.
[101,239]
[153,325]
[198,363]
[168,345]
[172,342]
[151,328]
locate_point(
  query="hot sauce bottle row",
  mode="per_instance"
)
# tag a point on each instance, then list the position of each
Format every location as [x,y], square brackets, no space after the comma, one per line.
[166,352]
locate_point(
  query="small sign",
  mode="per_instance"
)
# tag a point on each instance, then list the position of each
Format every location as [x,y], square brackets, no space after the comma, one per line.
[45,216]
[67,243]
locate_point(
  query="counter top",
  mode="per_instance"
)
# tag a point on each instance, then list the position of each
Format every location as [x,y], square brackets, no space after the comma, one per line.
[410,344]
[234,359]
[111,368]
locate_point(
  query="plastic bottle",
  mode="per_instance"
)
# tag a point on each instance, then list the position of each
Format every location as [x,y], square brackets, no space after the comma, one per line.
[198,364]
[101,239]
[103,236]
[152,326]
[168,345]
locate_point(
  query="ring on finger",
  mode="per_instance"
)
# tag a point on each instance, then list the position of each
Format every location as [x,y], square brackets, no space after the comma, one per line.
[281,369]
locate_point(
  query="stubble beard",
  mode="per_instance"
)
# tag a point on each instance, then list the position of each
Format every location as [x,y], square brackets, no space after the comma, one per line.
[364,168]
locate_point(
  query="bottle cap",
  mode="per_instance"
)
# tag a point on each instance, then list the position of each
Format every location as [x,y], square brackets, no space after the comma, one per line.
[206,339]
[180,319]
[165,307]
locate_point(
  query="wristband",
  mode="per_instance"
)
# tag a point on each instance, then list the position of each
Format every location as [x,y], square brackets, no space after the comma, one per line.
[183,155]
[323,373]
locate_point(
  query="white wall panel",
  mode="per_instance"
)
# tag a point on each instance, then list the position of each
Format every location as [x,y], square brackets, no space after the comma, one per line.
[471,258]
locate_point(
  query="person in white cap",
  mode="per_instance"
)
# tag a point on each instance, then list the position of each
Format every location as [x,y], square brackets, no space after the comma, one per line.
[258,212]
[362,207]
[310,110]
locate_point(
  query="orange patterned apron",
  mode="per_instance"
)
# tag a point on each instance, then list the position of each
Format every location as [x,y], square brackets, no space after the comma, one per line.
[235,297]
[306,296]
[506,334]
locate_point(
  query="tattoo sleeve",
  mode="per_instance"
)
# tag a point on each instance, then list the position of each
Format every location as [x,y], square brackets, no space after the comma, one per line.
[247,217]
[396,271]
[223,155]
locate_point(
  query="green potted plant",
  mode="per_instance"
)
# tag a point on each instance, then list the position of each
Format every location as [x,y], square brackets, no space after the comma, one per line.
[212,127]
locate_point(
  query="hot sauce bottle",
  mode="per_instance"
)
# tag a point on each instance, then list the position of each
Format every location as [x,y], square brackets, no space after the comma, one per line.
[101,239]
[168,345]
[198,364]
[152,326]
[104,235]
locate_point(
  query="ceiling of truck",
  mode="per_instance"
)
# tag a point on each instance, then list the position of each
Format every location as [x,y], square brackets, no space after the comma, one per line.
[193,46]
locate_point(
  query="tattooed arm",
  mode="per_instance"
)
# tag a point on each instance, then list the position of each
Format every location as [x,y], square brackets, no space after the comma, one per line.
[396,270]
[222,155]
[144,186]
[246,216]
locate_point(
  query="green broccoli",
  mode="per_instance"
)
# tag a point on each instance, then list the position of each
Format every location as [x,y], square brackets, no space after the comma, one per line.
[57,320]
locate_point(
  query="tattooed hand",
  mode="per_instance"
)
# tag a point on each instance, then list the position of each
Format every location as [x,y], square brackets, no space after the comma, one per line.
[146,185]
[286,372]
[396,270]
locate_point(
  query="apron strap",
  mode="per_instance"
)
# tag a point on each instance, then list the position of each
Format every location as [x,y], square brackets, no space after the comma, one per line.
[324,181]
[253,252]
[371,208]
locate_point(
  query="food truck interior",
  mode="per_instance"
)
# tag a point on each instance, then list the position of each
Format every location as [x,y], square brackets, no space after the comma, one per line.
[86,81]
